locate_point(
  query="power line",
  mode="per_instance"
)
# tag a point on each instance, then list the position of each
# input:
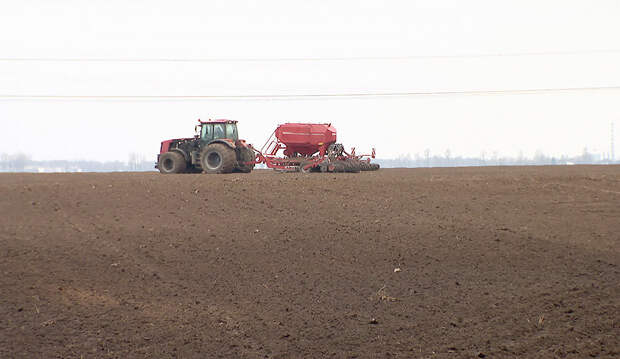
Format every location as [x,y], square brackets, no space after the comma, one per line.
[308,96]
[307,59]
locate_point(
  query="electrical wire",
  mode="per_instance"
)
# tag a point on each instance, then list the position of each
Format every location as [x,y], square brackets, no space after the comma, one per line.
[307,59]
[351,95]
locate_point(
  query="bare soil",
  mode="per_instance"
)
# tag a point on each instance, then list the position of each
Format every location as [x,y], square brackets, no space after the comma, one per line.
[520,262]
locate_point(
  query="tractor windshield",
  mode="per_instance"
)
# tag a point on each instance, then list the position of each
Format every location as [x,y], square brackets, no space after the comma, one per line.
[214,131]
[231,131]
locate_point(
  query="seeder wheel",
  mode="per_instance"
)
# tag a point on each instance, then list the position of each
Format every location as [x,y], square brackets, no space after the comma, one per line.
[305,170]
[352,167]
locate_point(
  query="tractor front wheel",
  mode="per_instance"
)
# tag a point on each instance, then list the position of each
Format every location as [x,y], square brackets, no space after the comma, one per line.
[171,162]
[218,158]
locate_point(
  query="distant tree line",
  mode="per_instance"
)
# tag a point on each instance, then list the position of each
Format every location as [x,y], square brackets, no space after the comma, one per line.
[21,162]
[492,159]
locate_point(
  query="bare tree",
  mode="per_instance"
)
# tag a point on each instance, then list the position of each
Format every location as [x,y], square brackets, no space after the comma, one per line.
[586,156]
[135,161]
[427,156]
[20,161]
[495,157]
[520,158]
[539,157]
[4,161]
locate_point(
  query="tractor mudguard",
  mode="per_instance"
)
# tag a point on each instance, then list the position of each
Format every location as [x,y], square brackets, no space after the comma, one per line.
[242,144]
[224,142]
[185,154]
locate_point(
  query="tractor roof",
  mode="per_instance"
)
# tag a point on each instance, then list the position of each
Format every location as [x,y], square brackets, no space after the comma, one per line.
[218,121]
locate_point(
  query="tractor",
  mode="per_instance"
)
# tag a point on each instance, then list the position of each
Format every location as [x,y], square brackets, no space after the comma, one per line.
[216,148]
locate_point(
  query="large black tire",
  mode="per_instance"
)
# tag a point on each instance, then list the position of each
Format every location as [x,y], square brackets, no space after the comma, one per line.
[245,154]
[171,162]
[324,166]
[218,158]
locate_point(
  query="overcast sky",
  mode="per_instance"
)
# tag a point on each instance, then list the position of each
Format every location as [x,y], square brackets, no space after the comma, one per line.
[348,47]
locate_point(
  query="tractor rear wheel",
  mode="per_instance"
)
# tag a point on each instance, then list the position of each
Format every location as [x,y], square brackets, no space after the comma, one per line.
[171,162]
[218,158]
[244,155]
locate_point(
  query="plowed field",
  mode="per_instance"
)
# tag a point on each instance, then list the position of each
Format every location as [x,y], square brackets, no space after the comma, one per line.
[405,263]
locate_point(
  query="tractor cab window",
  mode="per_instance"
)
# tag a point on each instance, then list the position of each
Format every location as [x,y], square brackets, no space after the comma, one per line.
[231,131]
[219,131]
[207,132]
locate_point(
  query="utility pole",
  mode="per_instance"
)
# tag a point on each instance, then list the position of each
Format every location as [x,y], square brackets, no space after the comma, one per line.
[612,145]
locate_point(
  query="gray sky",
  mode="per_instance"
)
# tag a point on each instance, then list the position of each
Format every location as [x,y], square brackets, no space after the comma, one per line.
[415,42]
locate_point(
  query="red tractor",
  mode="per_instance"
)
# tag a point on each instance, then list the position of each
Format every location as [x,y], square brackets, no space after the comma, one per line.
[216,148]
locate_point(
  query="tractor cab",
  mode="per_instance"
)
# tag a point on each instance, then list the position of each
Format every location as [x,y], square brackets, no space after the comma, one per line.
[217,129]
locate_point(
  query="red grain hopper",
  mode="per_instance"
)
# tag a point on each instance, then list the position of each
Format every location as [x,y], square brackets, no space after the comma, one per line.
[305,139]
